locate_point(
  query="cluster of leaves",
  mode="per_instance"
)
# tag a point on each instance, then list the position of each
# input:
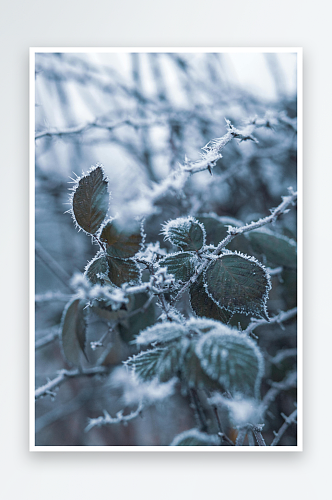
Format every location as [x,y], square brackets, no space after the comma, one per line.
[202,352]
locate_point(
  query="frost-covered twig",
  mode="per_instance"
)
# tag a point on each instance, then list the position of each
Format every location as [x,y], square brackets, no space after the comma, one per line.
[212,151]
[279,318]
[47,339]
[275,213]
[63,375]
[51,296]
[288,421]
[79,129]
[107,419]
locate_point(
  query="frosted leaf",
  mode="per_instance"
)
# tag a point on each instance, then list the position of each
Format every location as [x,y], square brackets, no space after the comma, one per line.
[97,269]
[161,333]
[90,200]
[194,437]
[181,265]
[123,271]
[203,305]
[238,283]
[232,359]
[145,364]
[160,363]
[191,370]
[185,232]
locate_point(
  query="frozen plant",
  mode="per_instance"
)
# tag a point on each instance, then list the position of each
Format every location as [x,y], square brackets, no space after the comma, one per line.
[187,314]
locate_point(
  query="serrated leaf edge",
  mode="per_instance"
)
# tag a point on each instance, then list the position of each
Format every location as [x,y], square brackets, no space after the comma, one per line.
[267,288]
[166,225]
[229,333]
[72,193]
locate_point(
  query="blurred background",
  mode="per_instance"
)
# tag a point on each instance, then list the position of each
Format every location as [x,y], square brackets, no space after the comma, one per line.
[140,115]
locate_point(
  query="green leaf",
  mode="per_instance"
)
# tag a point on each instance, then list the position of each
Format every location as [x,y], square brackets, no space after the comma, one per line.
[185,232]
[119,243]
[181,265]
[194,437]
[97,270]
[161,333]
[73,331]
[231,359]
[277,249]
[203,305]
[123,271]
[90,201]
[239,284]
[130,327]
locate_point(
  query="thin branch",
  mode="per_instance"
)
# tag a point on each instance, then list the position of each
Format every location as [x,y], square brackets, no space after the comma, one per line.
[284,354]
[279,318]
[198,410]
[288,421]
[258,436]
[234,231]
[212,151]
[97,124]
[107,419]
[47,339]
[289,382]
[63,375]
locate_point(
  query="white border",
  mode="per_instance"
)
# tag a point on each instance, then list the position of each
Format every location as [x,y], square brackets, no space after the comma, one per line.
[33,51]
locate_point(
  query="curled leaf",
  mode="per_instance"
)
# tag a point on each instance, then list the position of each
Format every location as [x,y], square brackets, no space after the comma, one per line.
[185,232]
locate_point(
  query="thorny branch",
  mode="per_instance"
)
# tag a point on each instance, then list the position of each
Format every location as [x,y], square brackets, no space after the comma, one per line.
[279,319]
[288,421]
[97,124]
[107,419]
[63,375]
